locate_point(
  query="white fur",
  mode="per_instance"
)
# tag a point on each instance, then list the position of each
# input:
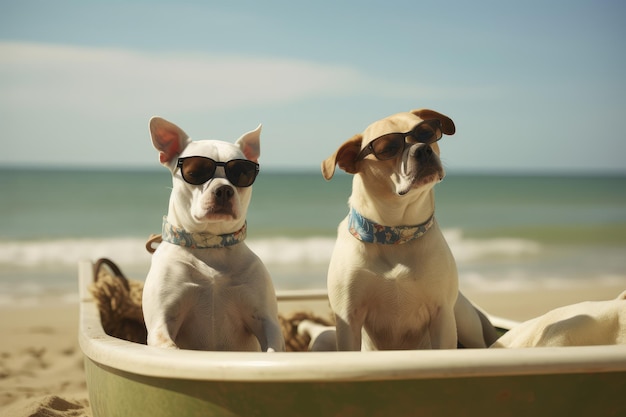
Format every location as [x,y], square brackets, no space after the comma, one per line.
[208,299]
[323,338]
[583,324]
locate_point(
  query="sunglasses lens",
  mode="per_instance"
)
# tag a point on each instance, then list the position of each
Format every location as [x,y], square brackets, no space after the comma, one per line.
[428,131]
[197,170]
[241,172]
[388,146]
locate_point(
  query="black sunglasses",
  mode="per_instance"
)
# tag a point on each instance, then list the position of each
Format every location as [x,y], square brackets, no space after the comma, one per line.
[197,170]
[392,144]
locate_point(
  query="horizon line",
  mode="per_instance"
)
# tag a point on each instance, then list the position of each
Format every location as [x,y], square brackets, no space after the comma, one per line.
[308,170]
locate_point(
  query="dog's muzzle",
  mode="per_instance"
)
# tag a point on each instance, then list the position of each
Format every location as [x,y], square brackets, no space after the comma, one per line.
[422,162]
[222,195]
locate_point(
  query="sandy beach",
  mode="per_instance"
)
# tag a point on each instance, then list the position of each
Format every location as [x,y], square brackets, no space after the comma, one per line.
[41,370]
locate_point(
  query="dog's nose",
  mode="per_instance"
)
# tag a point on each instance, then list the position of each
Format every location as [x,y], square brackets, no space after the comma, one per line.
[223,194]
[423,152]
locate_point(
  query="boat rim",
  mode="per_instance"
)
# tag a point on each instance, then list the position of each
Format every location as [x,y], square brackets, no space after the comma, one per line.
[124,356]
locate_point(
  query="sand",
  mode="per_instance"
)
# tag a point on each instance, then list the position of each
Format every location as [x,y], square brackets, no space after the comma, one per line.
[41,370]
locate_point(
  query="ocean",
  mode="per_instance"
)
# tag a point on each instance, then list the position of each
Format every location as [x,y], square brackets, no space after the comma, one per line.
[506,232]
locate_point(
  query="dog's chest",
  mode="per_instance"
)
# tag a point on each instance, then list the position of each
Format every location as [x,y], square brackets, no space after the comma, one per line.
[216,290]
[412,263]
[222,305]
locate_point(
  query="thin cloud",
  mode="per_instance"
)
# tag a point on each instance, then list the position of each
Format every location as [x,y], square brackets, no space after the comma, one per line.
[79,79]
[37,75]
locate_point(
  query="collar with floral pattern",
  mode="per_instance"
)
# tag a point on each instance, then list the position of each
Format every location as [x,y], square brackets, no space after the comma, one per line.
[368,231]
[181,237]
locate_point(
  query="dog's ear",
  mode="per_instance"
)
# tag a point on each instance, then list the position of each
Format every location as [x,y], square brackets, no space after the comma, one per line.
[345,157]
[250,144]
[447,125]
[168,139]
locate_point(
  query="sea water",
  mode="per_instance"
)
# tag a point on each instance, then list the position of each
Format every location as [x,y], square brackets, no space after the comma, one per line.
[506,232]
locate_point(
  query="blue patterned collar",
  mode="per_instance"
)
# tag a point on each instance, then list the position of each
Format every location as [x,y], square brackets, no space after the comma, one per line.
[370,232]
[181,237]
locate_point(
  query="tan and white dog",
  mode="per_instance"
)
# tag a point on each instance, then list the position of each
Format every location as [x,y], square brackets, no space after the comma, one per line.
[206,290]
[392,280]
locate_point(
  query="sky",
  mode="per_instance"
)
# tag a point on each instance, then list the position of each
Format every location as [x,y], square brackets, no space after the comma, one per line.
[532,86]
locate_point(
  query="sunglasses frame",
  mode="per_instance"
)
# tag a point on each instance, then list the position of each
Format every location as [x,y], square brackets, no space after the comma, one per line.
[369,149]
[225,165]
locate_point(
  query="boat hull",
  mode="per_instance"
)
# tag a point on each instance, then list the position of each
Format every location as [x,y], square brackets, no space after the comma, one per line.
[117,393]
[126,378]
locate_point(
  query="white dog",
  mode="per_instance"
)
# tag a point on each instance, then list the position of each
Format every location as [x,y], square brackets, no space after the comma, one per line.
[392,280]
[583,324]
[206,290]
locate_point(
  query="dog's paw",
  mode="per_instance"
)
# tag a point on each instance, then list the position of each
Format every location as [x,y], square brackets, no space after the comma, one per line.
[270,350]
[167,346]
[160,339]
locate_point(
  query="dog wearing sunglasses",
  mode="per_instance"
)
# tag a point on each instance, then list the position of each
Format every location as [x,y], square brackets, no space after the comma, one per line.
[392,280]
[206,290]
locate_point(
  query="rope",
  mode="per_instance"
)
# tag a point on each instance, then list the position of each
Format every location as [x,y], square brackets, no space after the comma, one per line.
[119,302]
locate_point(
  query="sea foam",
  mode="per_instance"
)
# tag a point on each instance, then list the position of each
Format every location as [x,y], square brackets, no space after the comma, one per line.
[272,250]
[66,252]
[32,272]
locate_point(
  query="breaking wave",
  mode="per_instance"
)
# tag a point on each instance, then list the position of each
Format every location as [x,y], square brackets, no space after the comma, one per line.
[273,250]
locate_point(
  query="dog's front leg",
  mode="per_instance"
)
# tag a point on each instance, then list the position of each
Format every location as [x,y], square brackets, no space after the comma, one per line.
[273,340]
[348,292]
[162,315]
[350,314]
[162,334]
[443,330]
[349,332]
[266,328]
[473,328]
